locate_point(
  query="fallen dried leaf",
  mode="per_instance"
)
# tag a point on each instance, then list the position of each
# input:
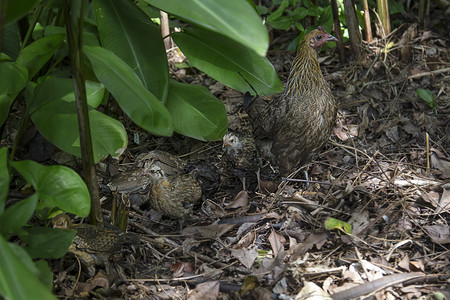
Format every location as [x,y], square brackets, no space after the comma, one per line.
[439,234]
[240,201]
[205,291]
[311,291]
[246,256]
[276,241]
[246,240]
[444,202]
[208,232]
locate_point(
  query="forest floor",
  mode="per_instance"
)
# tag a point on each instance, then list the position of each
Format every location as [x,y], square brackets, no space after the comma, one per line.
[385,171]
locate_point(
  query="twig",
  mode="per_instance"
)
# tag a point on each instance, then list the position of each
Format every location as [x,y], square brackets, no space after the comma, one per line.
[378,284]
[429,73]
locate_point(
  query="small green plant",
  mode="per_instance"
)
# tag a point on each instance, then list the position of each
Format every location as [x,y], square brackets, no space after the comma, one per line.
[332,223]
[428,97]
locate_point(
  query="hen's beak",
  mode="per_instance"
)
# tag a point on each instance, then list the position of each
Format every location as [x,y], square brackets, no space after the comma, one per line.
[331,38]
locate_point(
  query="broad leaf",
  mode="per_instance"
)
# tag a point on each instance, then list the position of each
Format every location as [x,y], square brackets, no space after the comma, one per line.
[57,186]
[5,103]
[34,56]
[196,113]
[13,76]
[18,8]
[428,97]
[11,41]
[54,106]
[44,242]
[17,215]
[235,19]
[45,274]
[134,99]
[4,177]
[228,61]
[121,27]
[17,281]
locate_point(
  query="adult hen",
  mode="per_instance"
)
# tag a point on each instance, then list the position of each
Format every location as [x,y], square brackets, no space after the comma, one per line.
[292,127]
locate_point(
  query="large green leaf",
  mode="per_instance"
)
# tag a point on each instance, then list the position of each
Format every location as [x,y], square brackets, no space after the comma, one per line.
[57,186]
[229,62]
[13,76]
[45,274]
[18,8]
[17,279]
[125,30]
[44,242]
[5,103]
[196,113]
[11,41]
[17,215]
[235,19]
[53,107]
[134,99]
[4,177]
[34,56]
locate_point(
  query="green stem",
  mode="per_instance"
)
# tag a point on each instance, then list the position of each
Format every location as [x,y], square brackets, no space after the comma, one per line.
[74,28]
[33,23]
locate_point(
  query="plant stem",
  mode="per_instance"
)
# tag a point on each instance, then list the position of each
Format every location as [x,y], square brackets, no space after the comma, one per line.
[74,14]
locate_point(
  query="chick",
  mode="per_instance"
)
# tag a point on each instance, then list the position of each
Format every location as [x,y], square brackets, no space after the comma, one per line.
[95,244]
[173,195]
[241,152]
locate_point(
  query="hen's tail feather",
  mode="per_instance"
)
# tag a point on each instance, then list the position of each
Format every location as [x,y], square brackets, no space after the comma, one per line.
[247,100]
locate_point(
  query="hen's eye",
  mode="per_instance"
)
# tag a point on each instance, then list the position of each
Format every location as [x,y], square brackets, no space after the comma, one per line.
[319,36]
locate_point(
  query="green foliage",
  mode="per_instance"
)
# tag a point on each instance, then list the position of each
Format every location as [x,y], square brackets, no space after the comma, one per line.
[395,7]
[200,106]
[292,13]
[332,223]
[13,75]
[135,100]
[122,34]
[4,178]
[56,187]
[235,19]
[35,55]
[234,60]
[289,13]
[17,9]
[428,97]
[20,277]
[52,105]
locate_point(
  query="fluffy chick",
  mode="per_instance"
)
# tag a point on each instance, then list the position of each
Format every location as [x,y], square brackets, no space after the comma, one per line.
[95,244]
[173,195]
[241,152]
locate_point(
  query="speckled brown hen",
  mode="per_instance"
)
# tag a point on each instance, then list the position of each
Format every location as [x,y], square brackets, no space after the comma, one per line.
[173,195]
[292,127]
[94,244]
